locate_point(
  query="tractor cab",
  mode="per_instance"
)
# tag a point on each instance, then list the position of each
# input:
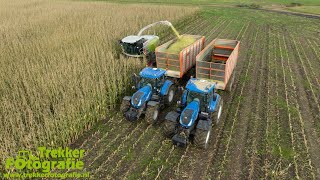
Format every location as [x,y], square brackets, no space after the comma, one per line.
[203,91]
[152,76]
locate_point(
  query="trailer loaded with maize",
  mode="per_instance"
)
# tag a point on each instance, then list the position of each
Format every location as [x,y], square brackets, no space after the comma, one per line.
[200,106]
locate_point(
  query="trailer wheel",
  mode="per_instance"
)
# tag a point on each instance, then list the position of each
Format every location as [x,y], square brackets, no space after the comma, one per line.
[168,99]
[152,114]
[216,116]
[231,81]
[125,105]
[201,138]
[169,128]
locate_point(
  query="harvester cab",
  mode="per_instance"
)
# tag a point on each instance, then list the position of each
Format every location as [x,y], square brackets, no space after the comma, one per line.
[199,108]
[154,92]
[140,45]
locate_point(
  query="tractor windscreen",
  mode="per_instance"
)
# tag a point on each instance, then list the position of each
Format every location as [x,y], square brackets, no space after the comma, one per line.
[145,81]
[202,97]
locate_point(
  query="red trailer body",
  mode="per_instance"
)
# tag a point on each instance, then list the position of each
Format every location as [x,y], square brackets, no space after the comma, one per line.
[217,61]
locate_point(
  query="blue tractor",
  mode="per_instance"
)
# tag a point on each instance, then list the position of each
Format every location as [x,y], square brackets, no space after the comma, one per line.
[200,107]
[154,92]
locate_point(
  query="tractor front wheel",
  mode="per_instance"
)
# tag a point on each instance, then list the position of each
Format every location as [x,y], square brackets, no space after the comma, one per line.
[169,128]
[152,114]
[168,99]
[201,138]
[217,114]
[125,105]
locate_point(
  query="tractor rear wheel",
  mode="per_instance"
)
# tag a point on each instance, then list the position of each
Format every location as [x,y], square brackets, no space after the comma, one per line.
[152,114]
[217,114]
[168,99]
[201,138]
[169,128]
[125,105]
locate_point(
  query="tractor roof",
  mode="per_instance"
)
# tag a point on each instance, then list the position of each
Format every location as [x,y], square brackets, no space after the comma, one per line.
[149,72]
[200,85]
[132,39]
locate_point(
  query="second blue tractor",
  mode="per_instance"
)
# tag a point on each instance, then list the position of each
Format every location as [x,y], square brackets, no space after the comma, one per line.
[200,107]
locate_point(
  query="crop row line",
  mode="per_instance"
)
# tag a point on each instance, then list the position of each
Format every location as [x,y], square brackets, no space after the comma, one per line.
[166,161]
[129,150]
[144,173]
[103,137]
[212,33]
[267,149]
[237,111]
[308,61]
[289,114]
[313,48]
[90,139]
[118,149]
[145,149]
[203,23]
[93,135]
[279,165]
[101,152]
[296,103]
[306,75]
[255,115]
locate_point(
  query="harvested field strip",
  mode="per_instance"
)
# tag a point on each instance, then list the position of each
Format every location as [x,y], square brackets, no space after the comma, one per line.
[212,167]
[312,84]
[235,156]
[302,114]
[280,142]
[229,125]
[256,130]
